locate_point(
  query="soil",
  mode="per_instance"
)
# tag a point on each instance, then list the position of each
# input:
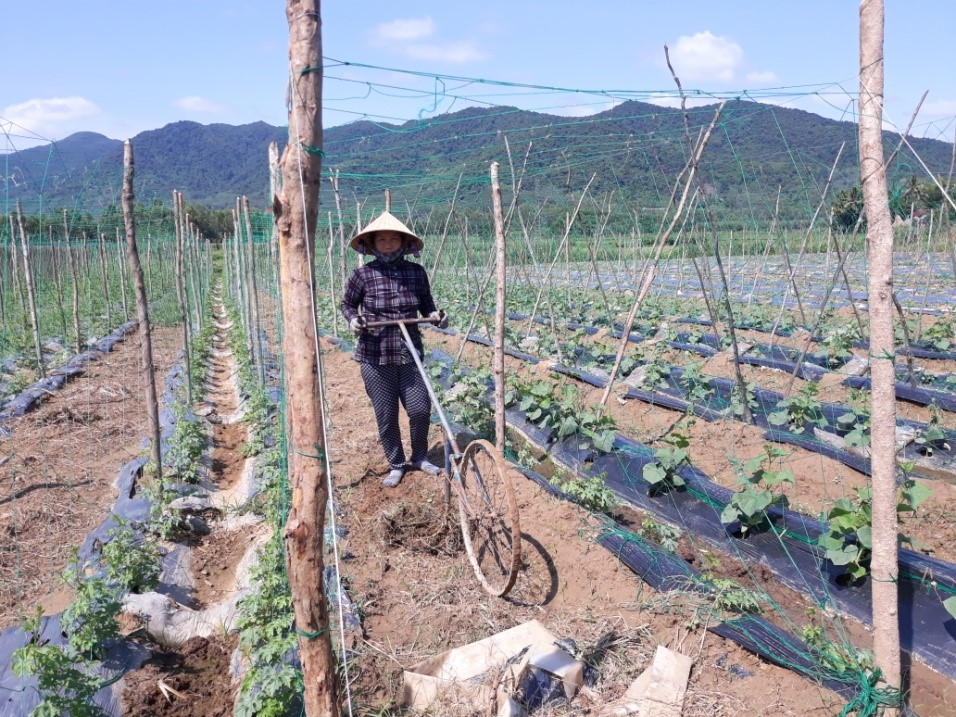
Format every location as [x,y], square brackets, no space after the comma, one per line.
[188,682]
[56,485]
[418,597]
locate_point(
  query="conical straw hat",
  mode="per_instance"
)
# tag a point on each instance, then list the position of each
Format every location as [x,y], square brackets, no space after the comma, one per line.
[386,222]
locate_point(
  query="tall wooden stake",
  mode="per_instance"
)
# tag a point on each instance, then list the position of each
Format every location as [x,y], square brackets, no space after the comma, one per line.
[879,238]
[142,311]
[499,355]
[31,293]
[295,209]
[77,339]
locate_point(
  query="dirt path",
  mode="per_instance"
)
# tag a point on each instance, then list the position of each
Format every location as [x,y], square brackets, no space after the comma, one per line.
[58,469]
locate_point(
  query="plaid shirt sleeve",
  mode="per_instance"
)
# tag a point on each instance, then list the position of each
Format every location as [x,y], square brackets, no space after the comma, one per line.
[385,292]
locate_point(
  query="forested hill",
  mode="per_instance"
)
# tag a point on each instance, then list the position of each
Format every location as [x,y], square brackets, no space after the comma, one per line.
[635,150]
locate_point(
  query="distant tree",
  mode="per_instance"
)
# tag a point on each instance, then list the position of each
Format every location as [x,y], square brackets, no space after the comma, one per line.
[847,208]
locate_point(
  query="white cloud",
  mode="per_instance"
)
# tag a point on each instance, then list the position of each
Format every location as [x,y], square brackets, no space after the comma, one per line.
[673,100]
[705,56]
[50,117]
[456,52]
[413,38]
[403,30]
[198,104]
[761,78]
[939,108]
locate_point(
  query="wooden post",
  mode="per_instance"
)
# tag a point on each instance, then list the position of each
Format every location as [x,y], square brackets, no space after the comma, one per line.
[58,282]
[142,310]
[499,355]
[181,297]
[75,284]
[879,239]
[31,293]
[295,209]
[104,272]
[122,274]
[254,292]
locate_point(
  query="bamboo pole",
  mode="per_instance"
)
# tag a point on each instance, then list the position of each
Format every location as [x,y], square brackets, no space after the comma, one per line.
[58,283]
[122,274]
[295,208]
[78,341]
[15,270]
[254,291]
[499,350]
[879,238]
[181,291]
[31,294]
[142,310]
[104,272]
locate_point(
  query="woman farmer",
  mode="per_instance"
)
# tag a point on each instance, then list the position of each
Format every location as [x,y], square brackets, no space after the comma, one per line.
[387,288]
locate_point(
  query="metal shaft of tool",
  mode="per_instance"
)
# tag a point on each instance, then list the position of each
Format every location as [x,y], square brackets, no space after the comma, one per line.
[428,385]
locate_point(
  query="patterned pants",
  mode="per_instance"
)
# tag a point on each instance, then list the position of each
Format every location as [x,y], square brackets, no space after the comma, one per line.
[386,386]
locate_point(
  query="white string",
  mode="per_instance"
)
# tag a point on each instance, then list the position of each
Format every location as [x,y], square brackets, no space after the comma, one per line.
[323,403]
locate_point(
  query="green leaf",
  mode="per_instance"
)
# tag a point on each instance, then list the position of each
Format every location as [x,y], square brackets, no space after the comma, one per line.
[654,474]
[865,535]
[779,418]
[845,556]
[950,605]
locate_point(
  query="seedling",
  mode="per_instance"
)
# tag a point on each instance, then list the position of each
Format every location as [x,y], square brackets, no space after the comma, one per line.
[750,504]
[800,411]
[588,491]
[848,540]
[664,473]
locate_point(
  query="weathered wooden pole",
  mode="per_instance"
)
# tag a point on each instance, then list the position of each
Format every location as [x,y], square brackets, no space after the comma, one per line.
[142,310]
[181,296]
[31,293]
[254,293]
[75,284]
[879,238]
[499,350]
[295,208]
[105,273]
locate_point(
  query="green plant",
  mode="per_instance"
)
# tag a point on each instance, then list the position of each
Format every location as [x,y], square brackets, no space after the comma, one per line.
[588,491]
[848,540]
[749,505]
[560,410]
[729,596]
[664,473]
[836,345]
[185,447]
[696,383]
[736,404]
[950,605]
[932,438]
[90,620]
[667,536]
[130,561]
[942,334]
[799,411]
[66,685]
[834,657]
[856,421]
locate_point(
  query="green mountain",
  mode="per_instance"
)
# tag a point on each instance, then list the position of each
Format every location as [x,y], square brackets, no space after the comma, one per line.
[634,153]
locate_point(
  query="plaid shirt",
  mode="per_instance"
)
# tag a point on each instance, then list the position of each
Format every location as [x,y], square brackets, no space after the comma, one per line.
[387,291]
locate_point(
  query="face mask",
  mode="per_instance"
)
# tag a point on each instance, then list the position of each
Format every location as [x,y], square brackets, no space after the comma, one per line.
[391,256]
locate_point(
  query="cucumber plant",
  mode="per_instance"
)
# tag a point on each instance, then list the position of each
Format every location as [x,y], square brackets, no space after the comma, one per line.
[800,411]
[848,539]
[749,505]
[664,473]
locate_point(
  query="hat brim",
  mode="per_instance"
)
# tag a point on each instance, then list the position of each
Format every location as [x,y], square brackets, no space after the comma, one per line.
[386,222]
[358,241]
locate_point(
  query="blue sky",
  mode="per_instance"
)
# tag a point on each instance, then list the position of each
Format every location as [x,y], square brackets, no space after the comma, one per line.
[120,68]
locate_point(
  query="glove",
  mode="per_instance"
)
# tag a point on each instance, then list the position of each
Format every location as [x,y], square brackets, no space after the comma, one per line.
[357,326]
[439,318]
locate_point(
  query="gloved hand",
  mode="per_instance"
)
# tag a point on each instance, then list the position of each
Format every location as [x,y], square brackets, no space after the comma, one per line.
[439,318]
[357,326]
